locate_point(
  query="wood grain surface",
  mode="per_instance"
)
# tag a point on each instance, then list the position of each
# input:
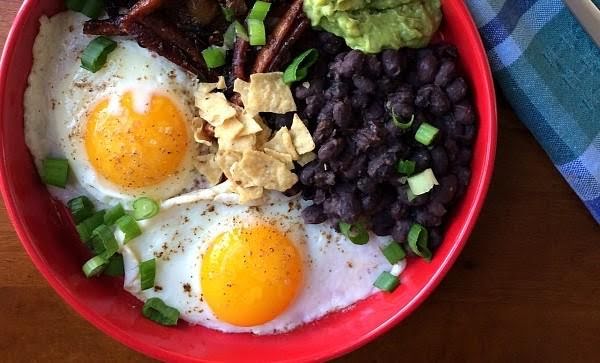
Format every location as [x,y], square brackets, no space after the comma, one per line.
[526,288]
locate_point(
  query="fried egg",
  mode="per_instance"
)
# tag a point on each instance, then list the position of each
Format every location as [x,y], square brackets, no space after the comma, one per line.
[253,269]
[126,129]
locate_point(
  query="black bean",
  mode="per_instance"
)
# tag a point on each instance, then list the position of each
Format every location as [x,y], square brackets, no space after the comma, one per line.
[439,102]
[352,64]
[391,61]
[337,90]
[420,200]
[330,43]
[457,89]
[308,192]
[307,174]
[364,84]
[371,202]
[314,214]
[446,73]
[398,210]
[436,208]
[435,238]
[295,189]
[422,159]
[463,113]
[387,85]
[404,94]
[371,135]
[346,206]
[313,106]
[330,149]
[446,50]
[403,111]
[301,92]
[323,131]
[354,166]
[427,219]
[359,100]
[400,230]
[366,185]
[439,161]
[451,148]
[423,98]
[463,174]
[382,166]
[375,111]
[373,66]
[342,113]
[324,178]
[382,223]
[427,67]
[445,192]
[464,156]
[320,195]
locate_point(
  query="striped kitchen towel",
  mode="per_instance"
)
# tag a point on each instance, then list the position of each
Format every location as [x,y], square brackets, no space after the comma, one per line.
[549,70]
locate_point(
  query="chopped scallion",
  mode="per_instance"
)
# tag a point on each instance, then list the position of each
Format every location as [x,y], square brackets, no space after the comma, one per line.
[104,235]
[406,167]
[147,273]
[115,266]
[234,31]
[356,233]
[88,225]
[129,227]
[240,31]
[90,8]
[386,282]
[259,10]
[393,252]
[402,125]
[214,56]
[55,172]
[94,266]
[155,309]
[298,69]
[114,213]
[81,208]
[417,241]
[426,133]
[95,54]
[144,208]
[256,31]
[423,182]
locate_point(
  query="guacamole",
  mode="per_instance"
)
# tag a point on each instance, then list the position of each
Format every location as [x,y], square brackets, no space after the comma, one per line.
[373,25]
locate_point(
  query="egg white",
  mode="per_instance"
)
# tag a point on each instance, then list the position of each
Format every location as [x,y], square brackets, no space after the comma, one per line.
[60,94]
[337,273]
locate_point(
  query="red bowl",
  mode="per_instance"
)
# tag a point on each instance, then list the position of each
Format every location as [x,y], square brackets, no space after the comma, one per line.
[55,249]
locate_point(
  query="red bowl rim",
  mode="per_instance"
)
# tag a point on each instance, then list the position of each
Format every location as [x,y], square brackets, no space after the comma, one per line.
[335,351]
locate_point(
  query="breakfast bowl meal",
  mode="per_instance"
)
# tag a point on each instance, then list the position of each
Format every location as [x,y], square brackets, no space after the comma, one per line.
[210,180]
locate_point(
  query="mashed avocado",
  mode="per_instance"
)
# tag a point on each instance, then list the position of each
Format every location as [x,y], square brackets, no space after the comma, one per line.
[373,25]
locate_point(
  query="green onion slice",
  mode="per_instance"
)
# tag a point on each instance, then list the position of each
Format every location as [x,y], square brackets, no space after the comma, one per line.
[426,133]
[81,208]
[259,10]
[256,31]
[409,195]
[155,309]
[386,282]
[406,167]
[115,266]
[88,225]
[214,56]
[356,233]
[94,266]
[104,235]
[129,227]
[240,31]
[95,54]
[90,8]
[402,125]
[144,208]
[234,31]
[114,213]
[228,13]
[55,172]
[147,273]
[417,241]
[298,69]
[393,252]
[423,182]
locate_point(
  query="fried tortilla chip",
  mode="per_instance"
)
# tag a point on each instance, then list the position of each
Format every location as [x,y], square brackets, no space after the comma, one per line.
[207,87]
[247,194]
[306,158]
[301,138]
[251,126]
[284,158]
[229,129]
[225,159]
[242,87]
[209,168]
[259,169]
[282,142]
[268,93]
[240,143]
[214,108]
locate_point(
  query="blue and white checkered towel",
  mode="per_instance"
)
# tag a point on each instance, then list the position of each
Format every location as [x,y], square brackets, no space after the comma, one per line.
[549,70]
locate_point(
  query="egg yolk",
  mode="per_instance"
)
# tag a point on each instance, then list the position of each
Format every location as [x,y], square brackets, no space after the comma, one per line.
[136,150]
[250,275]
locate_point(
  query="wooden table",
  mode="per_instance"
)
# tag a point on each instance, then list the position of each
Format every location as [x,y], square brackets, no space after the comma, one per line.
[526,287]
